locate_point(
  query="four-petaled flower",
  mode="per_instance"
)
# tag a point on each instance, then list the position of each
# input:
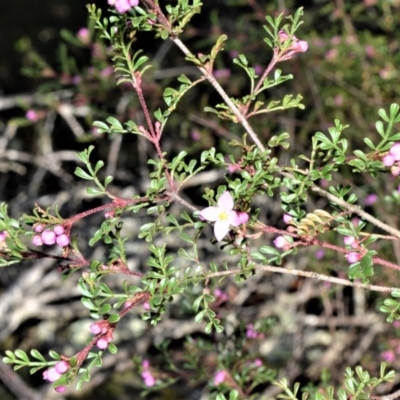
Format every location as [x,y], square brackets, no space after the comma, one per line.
[224,216]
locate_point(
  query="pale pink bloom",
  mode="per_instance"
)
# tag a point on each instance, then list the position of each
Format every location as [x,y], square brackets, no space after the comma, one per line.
[58,229]
[123,5]
[146,305]
[62,367]
[232,168]
[353,257]
[102,343]
[3,236]
[219,377]
[349,240]
[331,54]
[62,240]
[388,356]
[258,69]
[243,216]
[251,332]
[145,364]
[220,295]
[280,242]
[48,237]
[222,73]
[39,228]
[60,389]
[148,378]
[32,115]
[258,362]
[320,254]
[371,199]
[223,215]
[83,35]
[298,46]
[195,135]
[396,324]
[388,160]
[37,240]
[395,151]
[287,219]
[51,375]
[95,328]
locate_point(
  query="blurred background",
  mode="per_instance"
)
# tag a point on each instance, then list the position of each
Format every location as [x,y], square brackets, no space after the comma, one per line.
[307,331]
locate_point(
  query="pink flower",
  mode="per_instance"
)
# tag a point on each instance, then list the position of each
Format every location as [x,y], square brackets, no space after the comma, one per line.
[37,240]
[287,219]
[48,237]
[60,389]
[62,240]
[32,115]
[258,362]
[62,367]
[395,151]
[146,305]
[349,240]
[95,328]
[102,343]
[123,5]
[51,375]
[219,377]
[280,242]
[371,199]
[242,216]
[223,216]
[388,356]
[3,236]
[148,378]
[297,46]
[353,257]
[320,254]
[39,228]
[388,160]
[58,229]
[83,35]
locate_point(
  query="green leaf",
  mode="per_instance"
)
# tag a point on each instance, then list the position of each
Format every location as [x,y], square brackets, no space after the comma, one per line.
[83,174]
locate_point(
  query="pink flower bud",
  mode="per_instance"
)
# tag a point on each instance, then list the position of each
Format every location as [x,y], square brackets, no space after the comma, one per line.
[349,240]
[58,230]
[31,115]
[62,240]
[39,228]
[48,237]
[148,378]
[60,389]
[353,257]
[280,242]
[102,344]
[219,377]
[395,151]
[242,216]
[287,219]
[146,305]
[62,367]
[95,328]
[37,240]
[388,160]
[51,375]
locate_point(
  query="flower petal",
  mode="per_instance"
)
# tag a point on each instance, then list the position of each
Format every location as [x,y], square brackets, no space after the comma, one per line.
[221,228]
[210,213]
[234,218]
[225,202]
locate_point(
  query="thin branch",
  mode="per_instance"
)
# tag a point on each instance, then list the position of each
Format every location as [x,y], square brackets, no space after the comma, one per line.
[241,118]
[307,274]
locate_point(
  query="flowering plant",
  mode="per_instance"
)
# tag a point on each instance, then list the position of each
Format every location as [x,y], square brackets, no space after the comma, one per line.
[316,211]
